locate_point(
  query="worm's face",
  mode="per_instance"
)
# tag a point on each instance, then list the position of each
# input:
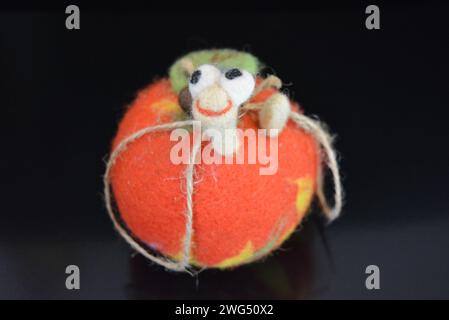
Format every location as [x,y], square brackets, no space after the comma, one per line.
[216,93]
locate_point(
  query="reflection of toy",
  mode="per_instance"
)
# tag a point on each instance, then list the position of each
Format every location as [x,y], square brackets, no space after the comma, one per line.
[214,215]
[301,271]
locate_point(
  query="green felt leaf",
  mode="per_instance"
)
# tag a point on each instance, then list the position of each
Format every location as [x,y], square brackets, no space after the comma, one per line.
[225,58]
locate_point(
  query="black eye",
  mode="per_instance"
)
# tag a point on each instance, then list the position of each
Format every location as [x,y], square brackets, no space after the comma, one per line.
[233,73]
[195,77]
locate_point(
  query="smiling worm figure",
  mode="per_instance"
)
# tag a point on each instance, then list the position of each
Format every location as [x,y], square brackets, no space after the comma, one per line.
[215,97]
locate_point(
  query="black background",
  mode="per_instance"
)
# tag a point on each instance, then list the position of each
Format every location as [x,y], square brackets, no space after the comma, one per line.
[384,92]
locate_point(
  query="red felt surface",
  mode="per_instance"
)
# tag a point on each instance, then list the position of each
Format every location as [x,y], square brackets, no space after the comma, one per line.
[233,203]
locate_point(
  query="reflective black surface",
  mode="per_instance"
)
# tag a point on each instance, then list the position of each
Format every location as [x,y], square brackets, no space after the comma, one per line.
[384,92]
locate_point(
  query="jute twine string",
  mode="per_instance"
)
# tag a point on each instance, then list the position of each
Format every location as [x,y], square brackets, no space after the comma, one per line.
[314,128]
[311,126]
[182,265]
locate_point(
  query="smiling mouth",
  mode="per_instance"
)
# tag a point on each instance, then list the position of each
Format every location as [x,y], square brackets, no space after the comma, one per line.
[211,113]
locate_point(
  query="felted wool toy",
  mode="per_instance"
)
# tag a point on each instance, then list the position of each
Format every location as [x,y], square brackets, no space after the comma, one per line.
[197,214]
